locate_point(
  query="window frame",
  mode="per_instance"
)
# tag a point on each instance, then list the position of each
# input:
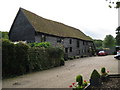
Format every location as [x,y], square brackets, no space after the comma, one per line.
[70,49]
[70,41]
[78,44]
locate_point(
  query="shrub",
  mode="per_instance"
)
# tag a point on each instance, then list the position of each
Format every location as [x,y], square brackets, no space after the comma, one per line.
[85,83]
[62,62]
[44,58]
[79,79]
[42,44]
[76,57]
[8,58]
[59,45]
[80,85]
[55,52]
[95,74]
[104,74]
[95,78]
[55,55]
[71,57]
[37,58]
[103,70]
[14,58]
[19,58]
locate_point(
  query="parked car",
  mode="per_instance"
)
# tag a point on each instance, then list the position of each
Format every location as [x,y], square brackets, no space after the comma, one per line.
[102,53]
[118,55]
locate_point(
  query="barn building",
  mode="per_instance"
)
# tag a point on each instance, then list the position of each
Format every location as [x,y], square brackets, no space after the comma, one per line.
[30,27]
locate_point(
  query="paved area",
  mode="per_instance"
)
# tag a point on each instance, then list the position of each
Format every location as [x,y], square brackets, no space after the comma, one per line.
[62,77]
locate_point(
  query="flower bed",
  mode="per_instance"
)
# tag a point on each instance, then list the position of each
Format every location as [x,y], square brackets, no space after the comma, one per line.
[79,84]
[112,83]
[98,81]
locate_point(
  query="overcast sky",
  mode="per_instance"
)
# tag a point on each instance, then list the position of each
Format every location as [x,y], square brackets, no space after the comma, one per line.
[93,17]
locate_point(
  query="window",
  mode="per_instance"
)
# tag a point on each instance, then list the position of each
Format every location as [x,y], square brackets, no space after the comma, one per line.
[59,40]
[70,40]
[78,43]
[86,43]
[70,49]
[43,38]
[83,43]
[78,52]
[83,51]
[66,50]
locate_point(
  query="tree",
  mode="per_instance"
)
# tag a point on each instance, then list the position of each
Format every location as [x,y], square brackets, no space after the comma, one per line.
[118,39]
[118,36]
[118,30]
[109,41]
[98,43]
[114,3]
[5,35]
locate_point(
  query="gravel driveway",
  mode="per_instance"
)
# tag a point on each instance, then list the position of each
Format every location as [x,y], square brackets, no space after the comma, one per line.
[62,77]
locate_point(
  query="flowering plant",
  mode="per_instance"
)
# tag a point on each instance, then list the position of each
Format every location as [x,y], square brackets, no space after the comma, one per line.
[104,74]
[103,71]
[76,86]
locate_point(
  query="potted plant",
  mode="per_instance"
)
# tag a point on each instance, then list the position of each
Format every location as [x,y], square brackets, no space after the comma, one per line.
[95,78]
[80,84]
[104,74]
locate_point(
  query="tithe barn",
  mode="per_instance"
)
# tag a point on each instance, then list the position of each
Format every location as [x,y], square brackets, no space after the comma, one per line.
[30,27]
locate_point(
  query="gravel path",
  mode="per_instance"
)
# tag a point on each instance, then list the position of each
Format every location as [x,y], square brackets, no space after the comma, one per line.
[62,77]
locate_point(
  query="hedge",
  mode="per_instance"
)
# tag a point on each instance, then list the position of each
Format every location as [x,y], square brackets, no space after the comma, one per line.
[41,58]
[14,58]
[20,58]
[7,58]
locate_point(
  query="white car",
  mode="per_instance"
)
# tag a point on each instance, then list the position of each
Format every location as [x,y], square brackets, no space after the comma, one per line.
[118,55]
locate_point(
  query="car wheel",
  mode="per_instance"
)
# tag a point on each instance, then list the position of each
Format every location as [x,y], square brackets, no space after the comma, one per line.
[118,58]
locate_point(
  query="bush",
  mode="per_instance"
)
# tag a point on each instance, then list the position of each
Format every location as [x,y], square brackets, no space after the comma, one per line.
[38,58]
[8,58]
[20,58]
[79,79]
[14,58]
[62,62]
[42,44]
[55,52]
[95,78]
[95,74]
[45,58]
[103,70]
[71,57]
[79,84]
[104,74]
